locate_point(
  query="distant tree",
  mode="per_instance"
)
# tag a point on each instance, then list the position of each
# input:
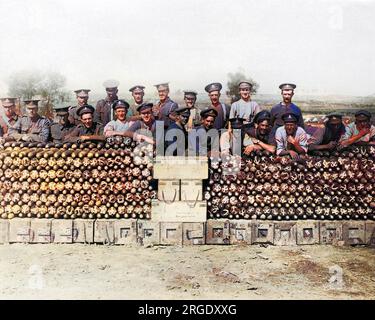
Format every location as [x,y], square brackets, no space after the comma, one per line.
[48,86]
[234,79]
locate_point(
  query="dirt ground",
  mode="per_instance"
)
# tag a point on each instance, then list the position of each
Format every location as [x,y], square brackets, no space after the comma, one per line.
[198,272]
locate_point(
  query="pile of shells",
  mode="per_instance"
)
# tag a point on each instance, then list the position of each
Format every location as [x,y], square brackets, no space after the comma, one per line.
[338,185]
[112,179]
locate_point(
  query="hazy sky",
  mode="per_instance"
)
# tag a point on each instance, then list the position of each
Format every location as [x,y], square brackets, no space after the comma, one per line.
[324,46]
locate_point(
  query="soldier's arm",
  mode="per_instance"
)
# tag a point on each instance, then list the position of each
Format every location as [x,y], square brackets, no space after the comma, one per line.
[44,133]
[72,136]
[98,110]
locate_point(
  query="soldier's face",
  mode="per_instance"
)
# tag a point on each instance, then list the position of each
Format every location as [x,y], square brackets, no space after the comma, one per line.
[334,123]
[245,93]
[189,101]
[86,119]
[121,114]
[208,123]
[62,118]
[264,127]
[112,93]
[287,95]
[163,94]
[138,96]
[214,97]
[290,128]
[184,118]
[82,100]
[32,112]
[10,111]
[146,116]
[362,123]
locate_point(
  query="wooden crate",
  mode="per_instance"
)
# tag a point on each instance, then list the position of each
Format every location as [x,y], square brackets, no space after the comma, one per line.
[171,233]
[193,233]
[83,231]
[330,232]
[148,232]
[181,211]
[263,232]
[308,232]
[41,231]
[240,231]
[218,232]
[20,230]
[62,231]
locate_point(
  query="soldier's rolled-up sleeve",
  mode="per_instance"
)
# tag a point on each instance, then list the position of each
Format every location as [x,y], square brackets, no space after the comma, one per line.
[303,140]
[279,141]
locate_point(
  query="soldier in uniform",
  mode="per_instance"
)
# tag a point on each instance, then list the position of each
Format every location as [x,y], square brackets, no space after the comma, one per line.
[165,105]
[360,131]
[9,120]
[82,98]
[229,140]
[222,109]
[88,129]
[33,127]
[63,127]
[181,117]
[286,106]
[291,139]
[103,110]
[199,143]
[257,137]
[244,108]
[190,97]
[137,94]
[143,129]
[328,137]
[121,124]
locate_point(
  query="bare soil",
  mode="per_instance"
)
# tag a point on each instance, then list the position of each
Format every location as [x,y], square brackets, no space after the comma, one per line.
[199,272]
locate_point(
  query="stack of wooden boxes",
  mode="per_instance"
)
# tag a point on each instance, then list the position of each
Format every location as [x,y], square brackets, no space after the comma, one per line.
[180,209]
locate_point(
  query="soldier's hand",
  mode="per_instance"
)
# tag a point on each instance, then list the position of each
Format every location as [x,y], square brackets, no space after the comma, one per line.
[26,138]
[144,138]
[248,149]
[364,131]
[291,140]
[294,155]
[332,145]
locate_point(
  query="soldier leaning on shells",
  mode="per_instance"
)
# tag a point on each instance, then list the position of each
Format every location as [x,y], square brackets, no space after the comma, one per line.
[203,146]
[328,137]
[177,127]
[33,127]
[88,129]
[144,129]
[231,141]
[258,137]
[290,138]
[9,120]
[61,129]
[360,131]
[121,124]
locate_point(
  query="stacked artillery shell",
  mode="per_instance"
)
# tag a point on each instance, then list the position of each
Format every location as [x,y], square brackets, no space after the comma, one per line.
[87,180]
[340,185]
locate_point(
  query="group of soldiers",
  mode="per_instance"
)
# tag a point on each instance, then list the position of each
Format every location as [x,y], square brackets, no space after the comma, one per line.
[280,130]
